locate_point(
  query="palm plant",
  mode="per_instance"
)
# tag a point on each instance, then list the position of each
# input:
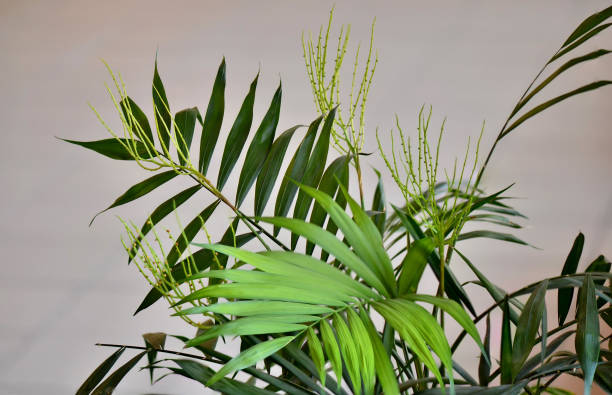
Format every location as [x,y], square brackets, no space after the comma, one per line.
[331,305]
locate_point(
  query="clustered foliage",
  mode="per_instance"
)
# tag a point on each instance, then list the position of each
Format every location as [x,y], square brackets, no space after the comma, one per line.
[341,312]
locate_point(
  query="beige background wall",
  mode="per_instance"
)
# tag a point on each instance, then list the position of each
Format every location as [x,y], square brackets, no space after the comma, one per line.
[65,286]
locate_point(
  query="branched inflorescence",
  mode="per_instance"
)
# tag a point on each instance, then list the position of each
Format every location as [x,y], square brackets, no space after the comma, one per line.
[348,135]
[441,204]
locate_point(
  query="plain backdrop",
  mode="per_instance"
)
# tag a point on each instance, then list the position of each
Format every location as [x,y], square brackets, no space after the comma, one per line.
[65,286]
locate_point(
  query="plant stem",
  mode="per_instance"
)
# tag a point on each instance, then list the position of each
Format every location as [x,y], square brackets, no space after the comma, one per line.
[183,354]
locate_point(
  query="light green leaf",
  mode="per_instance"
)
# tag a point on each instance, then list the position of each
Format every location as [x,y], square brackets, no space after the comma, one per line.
[300,274]
[332,350]
[368,243]
[337,170]
[340,279]
[350,353]
[413,265]
[382,363]
[395,315]
[455,310]
[259,291]
[332,245]
[251,356]
[251,308]
[316,354]
[202,259]
[364,348]
[248,326]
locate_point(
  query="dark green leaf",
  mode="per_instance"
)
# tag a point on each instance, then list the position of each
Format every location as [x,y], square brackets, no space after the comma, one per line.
[413,265]
[484,364]
[588,24]
[271,167]
[163,117]
[137,120]
[97,375]
[251,357]
[539,108]
[579,42]
[378,204]
[184,126]
[259,148]
[603,266]
[587,332]
[154,342]
[140,189]
[527,328]
[295,172]
[499,390]
[202,259]
[567,65]
[189,233]
[202,374]
[603,376]
[496,293]
[565,295]
[213,119]
[506,346]
[551,347]
[160,213]
[115,148]
[491,235]
[237,136]
[313,172]
[111,382]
